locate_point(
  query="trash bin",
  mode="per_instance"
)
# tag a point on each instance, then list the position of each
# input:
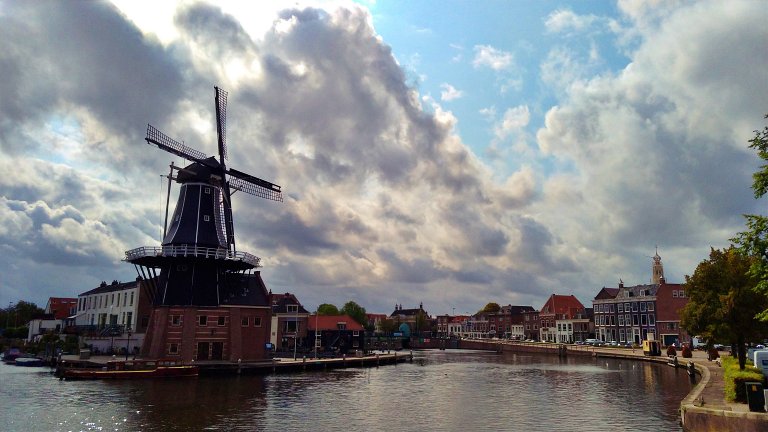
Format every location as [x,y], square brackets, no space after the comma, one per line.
[755,396]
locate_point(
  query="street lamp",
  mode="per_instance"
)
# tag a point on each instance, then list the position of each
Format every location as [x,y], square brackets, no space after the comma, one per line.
[128,344]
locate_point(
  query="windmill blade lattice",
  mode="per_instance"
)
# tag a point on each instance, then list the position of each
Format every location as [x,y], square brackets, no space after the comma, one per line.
[168,144]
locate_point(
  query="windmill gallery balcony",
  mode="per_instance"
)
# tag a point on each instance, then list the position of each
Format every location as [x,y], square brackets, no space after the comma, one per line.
[145,255]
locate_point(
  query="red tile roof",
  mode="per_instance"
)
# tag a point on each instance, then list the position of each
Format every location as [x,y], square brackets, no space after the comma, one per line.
[330,322]
[567,305]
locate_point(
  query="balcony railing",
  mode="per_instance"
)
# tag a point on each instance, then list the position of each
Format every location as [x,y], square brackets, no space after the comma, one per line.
[191,251]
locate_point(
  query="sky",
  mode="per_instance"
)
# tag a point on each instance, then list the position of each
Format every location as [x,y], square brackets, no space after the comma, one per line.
[449,153]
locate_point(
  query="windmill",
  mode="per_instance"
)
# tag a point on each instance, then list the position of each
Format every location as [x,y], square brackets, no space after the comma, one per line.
[198,260]
[216,170]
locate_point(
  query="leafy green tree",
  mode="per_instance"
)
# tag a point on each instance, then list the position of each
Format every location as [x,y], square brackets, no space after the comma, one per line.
[422,323]
[754,241]
[722,302]
[491,308]
[388,326]
[327,309]
[355,311]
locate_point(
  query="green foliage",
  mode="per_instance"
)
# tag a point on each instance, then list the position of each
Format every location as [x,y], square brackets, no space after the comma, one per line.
[388,326]
[327,309]
[754,241]
[491,308]
[735,390]
[355,311]
[722,301]
[18,315]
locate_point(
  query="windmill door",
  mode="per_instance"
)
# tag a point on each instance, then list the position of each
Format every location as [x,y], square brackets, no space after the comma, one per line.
[203,350]
[217,349]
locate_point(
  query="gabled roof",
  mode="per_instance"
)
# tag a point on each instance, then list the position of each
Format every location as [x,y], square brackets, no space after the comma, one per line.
[280,303]
[331,322]
[567,305]
[515,310]
[114,286]
[607,293]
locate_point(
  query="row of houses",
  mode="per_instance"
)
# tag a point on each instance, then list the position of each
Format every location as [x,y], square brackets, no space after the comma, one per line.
[115,317]
[624,314]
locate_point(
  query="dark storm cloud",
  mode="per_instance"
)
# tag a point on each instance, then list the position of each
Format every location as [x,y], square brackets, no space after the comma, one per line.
[55,55]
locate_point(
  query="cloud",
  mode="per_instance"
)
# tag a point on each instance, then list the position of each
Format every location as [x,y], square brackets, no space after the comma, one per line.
[566,21]
[450,93]
[488,56]
[384,203]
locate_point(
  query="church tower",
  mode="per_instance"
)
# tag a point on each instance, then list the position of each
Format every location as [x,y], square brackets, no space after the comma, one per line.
[657,268]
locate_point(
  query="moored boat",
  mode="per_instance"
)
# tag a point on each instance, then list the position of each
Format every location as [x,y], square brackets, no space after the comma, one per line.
[29,361]
[131,369]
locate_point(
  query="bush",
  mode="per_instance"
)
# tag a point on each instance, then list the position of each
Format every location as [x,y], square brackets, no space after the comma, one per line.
[735,390]
[687,353]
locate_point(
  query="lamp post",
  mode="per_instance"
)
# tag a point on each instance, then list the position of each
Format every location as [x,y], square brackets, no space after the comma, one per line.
[128,344]
[317,312]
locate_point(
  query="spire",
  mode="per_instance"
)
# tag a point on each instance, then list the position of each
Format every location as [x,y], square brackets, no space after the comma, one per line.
[657,269]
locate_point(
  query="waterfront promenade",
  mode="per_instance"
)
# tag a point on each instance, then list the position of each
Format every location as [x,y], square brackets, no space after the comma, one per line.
[703,410]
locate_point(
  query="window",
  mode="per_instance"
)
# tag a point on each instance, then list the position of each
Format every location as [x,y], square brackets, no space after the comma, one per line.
[635,320]
[244,321]
[207,190]
[202,320]
[621,335]
[621,307]
[206,218]
[634,306]
[651,319]
[644,319]
[129,319]
[173,348]
[621,320]
[221,321]
[175,320]
[257,321]
[113,299]
[626,319]
[650,306]
[131,298]
[293,308]
[612,321]
[356,333]
[682,293]
[642,306]
[674,293]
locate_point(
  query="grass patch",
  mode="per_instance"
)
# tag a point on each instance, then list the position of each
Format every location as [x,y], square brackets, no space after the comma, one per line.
[735,390]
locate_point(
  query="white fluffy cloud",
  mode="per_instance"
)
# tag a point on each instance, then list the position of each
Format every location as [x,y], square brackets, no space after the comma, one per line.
[384,202]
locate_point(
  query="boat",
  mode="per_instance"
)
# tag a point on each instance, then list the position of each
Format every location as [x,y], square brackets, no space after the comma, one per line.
[10,356]
[29,361]
[130,369]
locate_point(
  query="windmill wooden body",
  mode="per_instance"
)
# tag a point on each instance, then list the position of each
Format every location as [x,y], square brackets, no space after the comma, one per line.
[209,301]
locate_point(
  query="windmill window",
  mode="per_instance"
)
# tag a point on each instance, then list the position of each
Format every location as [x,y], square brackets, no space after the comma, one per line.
[206,218]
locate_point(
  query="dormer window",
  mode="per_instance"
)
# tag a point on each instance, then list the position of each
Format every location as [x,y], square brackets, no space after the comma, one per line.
[292,308]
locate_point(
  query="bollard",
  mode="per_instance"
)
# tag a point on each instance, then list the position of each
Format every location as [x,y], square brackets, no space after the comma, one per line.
[691,372]
[239,365]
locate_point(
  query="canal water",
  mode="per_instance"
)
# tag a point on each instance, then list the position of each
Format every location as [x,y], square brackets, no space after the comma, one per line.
[438,391]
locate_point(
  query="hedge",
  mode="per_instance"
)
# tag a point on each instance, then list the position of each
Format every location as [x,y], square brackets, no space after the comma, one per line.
[735,389]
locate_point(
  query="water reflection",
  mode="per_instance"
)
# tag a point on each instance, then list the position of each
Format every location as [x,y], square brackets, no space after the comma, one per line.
[440,390]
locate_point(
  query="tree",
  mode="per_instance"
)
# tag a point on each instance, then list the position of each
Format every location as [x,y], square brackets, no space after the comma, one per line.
[754,241]
[327,309]
[491,308]
[355,311]
[388,326]
[722,302]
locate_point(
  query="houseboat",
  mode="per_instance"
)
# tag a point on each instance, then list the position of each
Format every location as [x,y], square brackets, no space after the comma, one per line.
[130,369]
